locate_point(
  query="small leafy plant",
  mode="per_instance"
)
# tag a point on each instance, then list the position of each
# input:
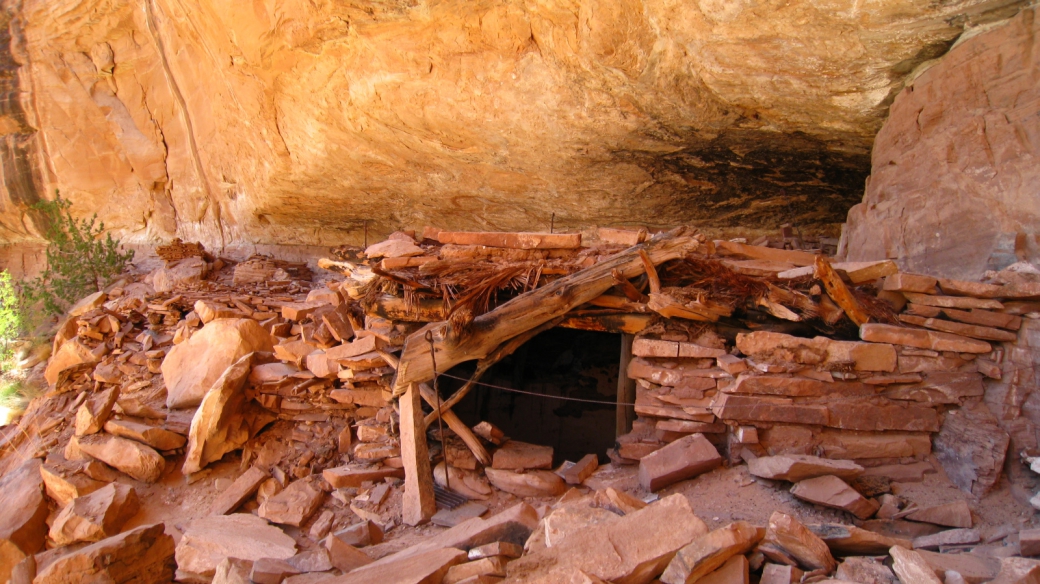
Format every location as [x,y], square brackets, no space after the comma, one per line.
[10,316]
[81,258]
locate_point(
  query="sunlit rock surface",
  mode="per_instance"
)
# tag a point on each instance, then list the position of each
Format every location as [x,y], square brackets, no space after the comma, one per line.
[955,186]
[296,121]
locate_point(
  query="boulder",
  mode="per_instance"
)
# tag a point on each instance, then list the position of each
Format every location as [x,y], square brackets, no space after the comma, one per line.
[71,354]
[144,555]
[710,551]
[791,537]
[571,518]
[225,419]
[207,541]
[798,467]
[535,483]
[830,491]
[23,515]
[685,458]
[132,458]
[393,248]
[92,415]
[516,455]
[154,436]
[96,516]
[192,367]
[294,505]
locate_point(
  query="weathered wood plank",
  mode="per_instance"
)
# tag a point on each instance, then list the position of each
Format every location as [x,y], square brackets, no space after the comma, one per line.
[419,504]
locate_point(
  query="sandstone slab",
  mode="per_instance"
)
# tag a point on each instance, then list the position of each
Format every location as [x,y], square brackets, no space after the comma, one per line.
[154,436]
[361,534]
[516,455]
[865,571]
[831,491]
[797,541]
[947,537]
[352,476]
[734,571]
[207,541]
[192,367]
[71,354]
[956,514]
[579,471]
[23,514]
[64,488]
[799,467]
[271,571]
[225,419]
[921,339]
[92,415]
[911,567]
[634,548]
[96,516]
[974,568]
[422,568]
[233,571]
[144,555]
[710,551]
[781,573]
[492,566]
[128,456]
[534,483]
[683,459]
[845,540]
[245,486]
[345,556]
[294,505]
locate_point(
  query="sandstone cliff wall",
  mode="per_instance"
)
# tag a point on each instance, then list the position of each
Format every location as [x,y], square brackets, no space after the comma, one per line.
[955,183]
[296,121]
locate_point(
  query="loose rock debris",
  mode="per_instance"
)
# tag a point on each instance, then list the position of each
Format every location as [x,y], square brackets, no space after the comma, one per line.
[835,382]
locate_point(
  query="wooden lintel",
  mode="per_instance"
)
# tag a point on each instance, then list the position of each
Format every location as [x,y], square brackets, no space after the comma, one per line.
[608,323]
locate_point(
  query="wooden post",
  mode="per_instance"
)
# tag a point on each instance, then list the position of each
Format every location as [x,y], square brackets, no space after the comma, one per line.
[419,504]
[626,389]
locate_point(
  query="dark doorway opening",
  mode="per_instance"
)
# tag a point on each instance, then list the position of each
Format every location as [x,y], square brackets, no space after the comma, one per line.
[558,362]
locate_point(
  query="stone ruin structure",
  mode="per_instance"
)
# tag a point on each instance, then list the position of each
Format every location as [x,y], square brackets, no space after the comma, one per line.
[661,383]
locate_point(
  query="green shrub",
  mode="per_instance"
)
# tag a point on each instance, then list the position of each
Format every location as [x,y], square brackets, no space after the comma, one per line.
[10,315]
[79,260]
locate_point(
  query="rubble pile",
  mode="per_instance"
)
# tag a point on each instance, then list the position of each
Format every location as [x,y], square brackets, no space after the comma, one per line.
[830,381]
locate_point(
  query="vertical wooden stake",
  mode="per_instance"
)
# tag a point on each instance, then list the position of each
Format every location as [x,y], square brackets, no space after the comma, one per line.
[419,504]
[626,389]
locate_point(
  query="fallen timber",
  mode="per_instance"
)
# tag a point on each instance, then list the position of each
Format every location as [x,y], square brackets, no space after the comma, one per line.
[454,343]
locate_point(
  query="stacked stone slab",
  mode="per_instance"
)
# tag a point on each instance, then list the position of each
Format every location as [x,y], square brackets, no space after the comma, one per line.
[957,364]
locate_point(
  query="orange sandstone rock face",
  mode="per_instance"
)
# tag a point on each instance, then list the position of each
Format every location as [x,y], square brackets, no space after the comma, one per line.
[295,122]
[952,190]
